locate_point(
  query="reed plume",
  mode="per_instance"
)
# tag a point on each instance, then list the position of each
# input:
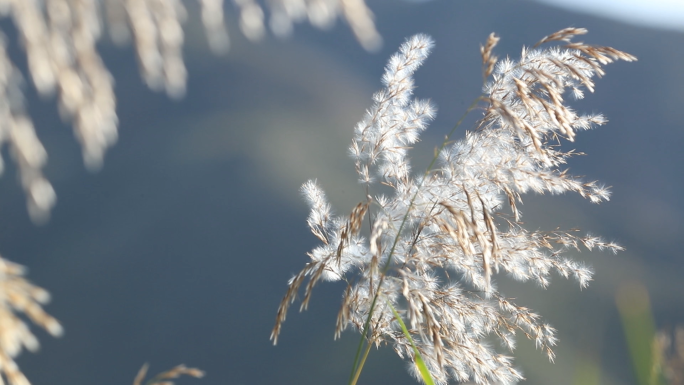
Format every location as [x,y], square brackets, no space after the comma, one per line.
[439,240]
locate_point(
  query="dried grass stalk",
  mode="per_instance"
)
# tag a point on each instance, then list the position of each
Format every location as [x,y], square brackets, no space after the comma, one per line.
[164,377]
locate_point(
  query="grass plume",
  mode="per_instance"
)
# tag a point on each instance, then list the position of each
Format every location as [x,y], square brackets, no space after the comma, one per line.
[438,242]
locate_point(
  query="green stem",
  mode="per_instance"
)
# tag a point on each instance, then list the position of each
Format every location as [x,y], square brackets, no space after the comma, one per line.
[422,368]
[363,361]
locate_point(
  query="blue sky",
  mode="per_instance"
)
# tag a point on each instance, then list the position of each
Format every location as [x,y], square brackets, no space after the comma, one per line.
[662,14]
[666,14]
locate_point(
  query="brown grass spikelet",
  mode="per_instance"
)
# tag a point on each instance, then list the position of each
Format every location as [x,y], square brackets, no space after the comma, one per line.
[565,34]
[285,303]
[488,58]
[604,55]
[163,377]
[353,226]
[344,313]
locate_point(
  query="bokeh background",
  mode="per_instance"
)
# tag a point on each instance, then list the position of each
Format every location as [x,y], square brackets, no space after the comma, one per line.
[179,249]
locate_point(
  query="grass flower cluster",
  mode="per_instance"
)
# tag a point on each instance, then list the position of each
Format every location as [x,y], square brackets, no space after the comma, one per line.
[438,240]
[60,39]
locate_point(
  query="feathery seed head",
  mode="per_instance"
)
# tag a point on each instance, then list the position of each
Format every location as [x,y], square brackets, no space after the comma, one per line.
[437,244]
[18,295]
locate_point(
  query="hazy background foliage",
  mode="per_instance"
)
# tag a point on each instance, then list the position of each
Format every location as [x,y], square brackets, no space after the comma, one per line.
[180,248]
